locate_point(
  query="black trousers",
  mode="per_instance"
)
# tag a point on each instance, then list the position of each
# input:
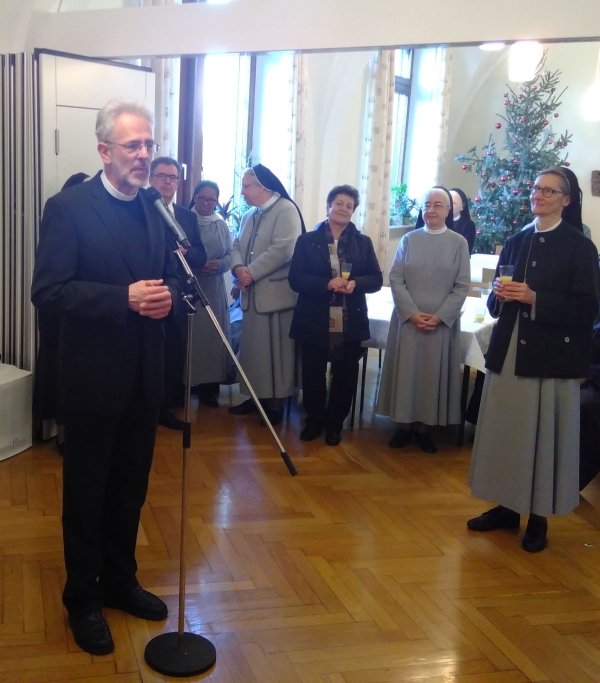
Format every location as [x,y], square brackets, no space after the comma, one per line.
[344,376]
[105,481]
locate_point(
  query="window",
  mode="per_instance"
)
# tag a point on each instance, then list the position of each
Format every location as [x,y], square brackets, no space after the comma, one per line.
[403,67]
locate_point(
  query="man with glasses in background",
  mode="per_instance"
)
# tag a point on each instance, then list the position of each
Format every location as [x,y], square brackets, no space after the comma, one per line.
[105,266]
[165,174]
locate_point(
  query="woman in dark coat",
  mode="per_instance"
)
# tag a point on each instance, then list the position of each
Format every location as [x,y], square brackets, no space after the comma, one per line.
[330,320]
[462,223]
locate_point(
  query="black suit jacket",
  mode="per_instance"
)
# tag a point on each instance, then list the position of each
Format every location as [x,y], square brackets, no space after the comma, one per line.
[561,270]
[196,254]
[82,273]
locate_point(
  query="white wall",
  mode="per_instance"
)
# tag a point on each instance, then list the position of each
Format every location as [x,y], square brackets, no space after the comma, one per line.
[478,84]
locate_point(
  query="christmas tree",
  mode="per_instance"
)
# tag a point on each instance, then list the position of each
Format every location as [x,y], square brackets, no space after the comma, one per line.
[502,206]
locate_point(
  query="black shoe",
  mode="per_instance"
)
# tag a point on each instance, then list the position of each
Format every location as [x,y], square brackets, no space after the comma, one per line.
[310,432]
[209,400]
[496,518]
[244,408]
[426,442]
[139,603]
[534,539]
[167,419]
[275,416]
[400,438]
[332,437]
[92,634]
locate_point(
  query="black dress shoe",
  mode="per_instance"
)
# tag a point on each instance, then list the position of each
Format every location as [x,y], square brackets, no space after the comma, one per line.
[275,416]
[167,419]
[92,634]
[534,539]
[139,603]
[400,438]
[209,400]
[310,432]
[496,518]
[244,408]
[332,437]
[426,442]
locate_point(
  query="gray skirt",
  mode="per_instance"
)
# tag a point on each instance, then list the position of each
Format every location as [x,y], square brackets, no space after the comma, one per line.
[526,451]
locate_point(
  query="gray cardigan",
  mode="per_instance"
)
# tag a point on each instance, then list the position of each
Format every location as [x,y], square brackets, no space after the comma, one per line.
[265,245]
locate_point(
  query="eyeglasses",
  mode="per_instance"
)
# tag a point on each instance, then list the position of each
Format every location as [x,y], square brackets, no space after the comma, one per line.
[546,191]
[436,206]
[166,176]
[245,187]
[205,200]
[136,146]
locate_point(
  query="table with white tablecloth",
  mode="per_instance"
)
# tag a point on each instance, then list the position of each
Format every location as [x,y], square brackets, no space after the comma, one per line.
[474,337]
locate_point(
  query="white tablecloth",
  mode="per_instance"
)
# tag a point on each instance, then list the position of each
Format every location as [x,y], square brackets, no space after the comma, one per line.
[474,337]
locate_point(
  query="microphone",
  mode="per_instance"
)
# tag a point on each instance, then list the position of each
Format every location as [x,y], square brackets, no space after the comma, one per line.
[155,198]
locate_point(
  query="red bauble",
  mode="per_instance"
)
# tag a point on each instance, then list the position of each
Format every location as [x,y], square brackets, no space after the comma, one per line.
[566,143]
[479,232]
[529,183]
[515,161]
[498,126]
[546,123]
[553,90]
[506,102]
[515,192]
[550,142]
[503,178]
[464,167]
[515,142]
[478,199]
[515,222]
[555,116]
[493,185]
[523,208]
[492,218]
[505,94]
[522,119]
[521,97]
[489,154]
[534,87]
[484,175]
[567,163]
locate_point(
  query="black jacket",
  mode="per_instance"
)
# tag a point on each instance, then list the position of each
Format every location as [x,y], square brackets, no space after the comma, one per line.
[310,273]
[82,273]
[465,227]
[561,270]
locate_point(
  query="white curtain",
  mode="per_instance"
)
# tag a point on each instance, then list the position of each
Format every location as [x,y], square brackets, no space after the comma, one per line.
[441,99]
[166,108]
[299,127]
[374,209]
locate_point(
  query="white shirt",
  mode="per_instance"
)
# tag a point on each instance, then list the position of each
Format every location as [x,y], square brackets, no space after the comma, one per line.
[112,190]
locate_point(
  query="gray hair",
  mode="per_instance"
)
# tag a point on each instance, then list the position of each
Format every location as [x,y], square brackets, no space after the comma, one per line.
[108,115]
[167,161]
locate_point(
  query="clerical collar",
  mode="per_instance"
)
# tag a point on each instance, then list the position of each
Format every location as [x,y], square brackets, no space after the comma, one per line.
[456,218]
[553,227]
[113,192]
[270,202]
[435,232]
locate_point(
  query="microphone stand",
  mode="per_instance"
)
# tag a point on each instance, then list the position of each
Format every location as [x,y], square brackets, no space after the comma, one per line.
[182,653]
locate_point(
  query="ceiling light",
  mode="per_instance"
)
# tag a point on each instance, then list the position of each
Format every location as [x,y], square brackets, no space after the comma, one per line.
[524,60]
[491,47]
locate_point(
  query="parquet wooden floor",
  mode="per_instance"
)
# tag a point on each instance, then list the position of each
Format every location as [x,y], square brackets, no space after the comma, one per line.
[358,570]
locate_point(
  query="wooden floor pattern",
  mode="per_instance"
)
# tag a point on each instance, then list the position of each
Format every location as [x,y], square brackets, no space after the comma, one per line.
[358,570]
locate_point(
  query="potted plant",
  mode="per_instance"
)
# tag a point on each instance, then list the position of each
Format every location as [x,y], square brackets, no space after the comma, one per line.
[402,207]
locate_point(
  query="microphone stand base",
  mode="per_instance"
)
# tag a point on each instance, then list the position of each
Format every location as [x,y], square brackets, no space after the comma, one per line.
[180,655]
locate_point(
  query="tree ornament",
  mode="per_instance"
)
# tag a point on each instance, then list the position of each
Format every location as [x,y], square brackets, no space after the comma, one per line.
[489,154]
[515,161]
[503,178]
[523,209]
[521,96]
[534,87]
[492,185]
[567,163]
[552,89]
[505,94]
[555,116]
[498,126]
[484,175]
[550,142]
[516,142]
[528,183]
[515,222]
[565,144]
[515,191]
[464,167]
[478,199]
[492,218]
[506,102]
[522,119]
[546,123]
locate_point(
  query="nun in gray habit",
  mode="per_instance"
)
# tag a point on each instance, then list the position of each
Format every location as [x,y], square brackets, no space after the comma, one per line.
[430,276]
[526,452]
[260,262]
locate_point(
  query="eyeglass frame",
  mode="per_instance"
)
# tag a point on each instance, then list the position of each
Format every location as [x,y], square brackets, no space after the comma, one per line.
[536,188]
[166,176]
[151,147]
[204,200]
[438,206]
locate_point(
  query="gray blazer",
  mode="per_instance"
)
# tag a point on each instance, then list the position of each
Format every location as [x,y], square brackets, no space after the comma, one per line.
[265,246]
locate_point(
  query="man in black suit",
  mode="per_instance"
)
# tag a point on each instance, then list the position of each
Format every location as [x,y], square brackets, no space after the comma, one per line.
[165,173]
[105,266]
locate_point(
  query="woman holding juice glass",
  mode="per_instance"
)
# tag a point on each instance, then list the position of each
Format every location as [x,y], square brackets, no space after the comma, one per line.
[526,452]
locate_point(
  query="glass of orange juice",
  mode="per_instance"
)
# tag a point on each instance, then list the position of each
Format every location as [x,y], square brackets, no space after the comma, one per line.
[506,273]
[346,269]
